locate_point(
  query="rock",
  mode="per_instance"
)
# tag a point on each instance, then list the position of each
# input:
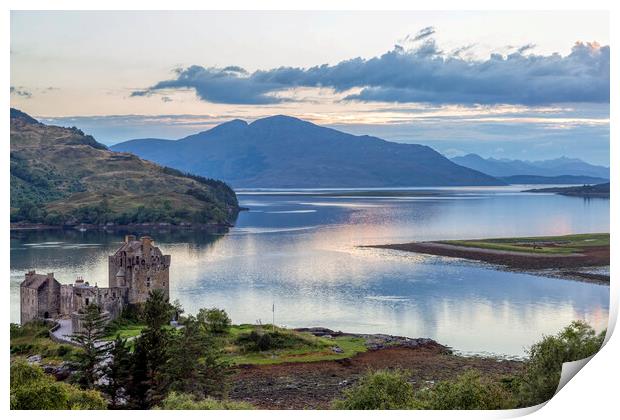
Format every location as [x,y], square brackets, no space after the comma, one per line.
[337,349]
[60,372]
[34,359]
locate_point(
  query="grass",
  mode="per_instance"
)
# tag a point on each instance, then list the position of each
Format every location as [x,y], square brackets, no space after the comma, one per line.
[125,331]
[566,244]
[293,347]
[287,346]
[33,338]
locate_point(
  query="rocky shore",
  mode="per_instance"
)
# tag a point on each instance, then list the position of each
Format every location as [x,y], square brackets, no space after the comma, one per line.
[314,385]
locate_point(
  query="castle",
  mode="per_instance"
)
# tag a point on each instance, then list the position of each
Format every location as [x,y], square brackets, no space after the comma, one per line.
[134,270]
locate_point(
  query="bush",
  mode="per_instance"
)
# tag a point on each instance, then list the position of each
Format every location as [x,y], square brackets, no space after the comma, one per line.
[262,339]
[380,390]
[32,389]
[177,401]
[469,391]
[214,320]
[543,369]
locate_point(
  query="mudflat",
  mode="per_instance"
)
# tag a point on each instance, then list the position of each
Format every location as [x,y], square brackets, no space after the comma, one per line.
[317,384]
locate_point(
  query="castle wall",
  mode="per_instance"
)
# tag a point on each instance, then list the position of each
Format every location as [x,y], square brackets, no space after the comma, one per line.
[51,292]
[66,300]
[29,304]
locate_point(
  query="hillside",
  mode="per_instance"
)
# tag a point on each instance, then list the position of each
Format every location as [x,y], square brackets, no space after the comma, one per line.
[553,167]
[286,152]
[62,176]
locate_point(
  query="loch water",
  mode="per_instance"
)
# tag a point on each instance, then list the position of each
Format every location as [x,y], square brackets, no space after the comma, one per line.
[299,251]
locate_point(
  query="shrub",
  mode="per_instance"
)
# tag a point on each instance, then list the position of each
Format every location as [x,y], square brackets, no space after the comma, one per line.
[380,390]
[263,339]
[216,321]
[32,389]
[543,369]
[178,401]
[468,391]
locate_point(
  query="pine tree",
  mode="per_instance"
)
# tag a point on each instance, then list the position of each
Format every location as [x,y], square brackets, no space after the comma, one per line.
[94,350]
[195,363]
[118,372]
[148,385]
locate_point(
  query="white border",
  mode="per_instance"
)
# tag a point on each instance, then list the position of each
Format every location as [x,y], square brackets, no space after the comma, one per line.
[592,395]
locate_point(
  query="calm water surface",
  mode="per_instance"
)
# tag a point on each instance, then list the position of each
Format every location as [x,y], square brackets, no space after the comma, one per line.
[300,252]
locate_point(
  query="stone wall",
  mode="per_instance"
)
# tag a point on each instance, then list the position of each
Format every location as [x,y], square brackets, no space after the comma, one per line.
[29,304]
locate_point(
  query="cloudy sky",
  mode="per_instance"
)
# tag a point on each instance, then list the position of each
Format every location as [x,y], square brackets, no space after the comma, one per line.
[523,85]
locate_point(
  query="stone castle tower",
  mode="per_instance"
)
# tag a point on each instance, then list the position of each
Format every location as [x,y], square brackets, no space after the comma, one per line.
[139,266]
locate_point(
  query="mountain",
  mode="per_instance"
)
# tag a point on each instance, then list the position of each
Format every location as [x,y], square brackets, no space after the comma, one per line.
[598,190]
[561,179]
[286,152]
[553,167]
[62,176]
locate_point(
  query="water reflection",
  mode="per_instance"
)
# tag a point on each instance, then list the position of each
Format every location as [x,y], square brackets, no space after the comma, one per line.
[300,252]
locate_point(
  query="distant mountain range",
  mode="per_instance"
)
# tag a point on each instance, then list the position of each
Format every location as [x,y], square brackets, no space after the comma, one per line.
[61,176]
[547,168]
[286,152]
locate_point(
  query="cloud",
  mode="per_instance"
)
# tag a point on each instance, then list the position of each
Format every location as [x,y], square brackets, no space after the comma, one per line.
[229,85]
[20,91]
[421,74]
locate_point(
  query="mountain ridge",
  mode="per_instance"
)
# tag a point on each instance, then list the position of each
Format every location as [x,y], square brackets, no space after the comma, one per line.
[552,167]
[286,152]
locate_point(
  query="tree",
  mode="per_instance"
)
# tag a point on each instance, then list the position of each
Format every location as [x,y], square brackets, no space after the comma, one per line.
[195,364]
[94,350]
[147,387]
[214,320]
[32,389]
[117,371]
[543,368]
[178,309]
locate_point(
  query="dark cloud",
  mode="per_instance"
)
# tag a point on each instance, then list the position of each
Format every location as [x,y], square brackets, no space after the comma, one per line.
[423,74]
[20,91]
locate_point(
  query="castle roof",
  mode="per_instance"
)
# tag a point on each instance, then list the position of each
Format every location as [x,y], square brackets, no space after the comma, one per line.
[34,281]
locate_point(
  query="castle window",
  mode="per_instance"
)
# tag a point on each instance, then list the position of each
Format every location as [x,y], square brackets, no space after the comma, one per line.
[86,301]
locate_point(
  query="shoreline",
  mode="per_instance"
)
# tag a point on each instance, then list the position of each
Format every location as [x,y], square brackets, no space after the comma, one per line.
[315,385]
[217,227]
[564,266]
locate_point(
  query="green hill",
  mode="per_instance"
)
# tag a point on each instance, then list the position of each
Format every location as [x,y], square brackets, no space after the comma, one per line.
[61,176]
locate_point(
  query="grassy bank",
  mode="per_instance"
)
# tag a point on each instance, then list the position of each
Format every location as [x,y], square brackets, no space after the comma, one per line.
[566,244]
[248,344]
[33,339]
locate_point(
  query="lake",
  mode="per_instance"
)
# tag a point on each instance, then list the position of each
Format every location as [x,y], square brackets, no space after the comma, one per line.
[299,251]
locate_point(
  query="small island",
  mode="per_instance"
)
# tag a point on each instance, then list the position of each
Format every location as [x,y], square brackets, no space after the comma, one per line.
[586,191]
[565,255]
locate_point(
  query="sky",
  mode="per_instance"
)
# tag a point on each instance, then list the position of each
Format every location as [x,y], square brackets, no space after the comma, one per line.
[517,85]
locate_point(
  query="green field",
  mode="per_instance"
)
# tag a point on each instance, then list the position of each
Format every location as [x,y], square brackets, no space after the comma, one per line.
[296,347]
[566,244]
[293,346]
